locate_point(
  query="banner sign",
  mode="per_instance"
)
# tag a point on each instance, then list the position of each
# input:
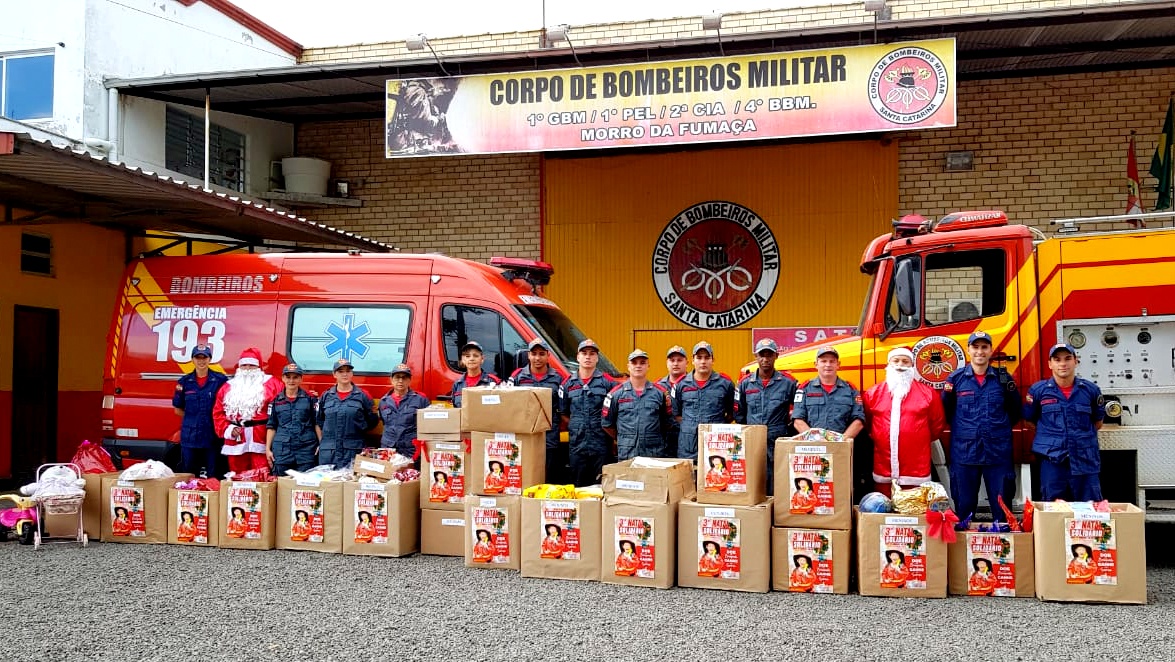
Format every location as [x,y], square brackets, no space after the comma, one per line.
[790,337]
[881,87]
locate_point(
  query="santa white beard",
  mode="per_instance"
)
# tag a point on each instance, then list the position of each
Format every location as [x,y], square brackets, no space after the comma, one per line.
[898,379]
[246,395]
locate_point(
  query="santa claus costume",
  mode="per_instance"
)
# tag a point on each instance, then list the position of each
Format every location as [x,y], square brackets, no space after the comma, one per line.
[240,412]
[905,418]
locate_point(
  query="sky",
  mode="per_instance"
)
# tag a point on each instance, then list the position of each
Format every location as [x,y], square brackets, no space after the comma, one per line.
[339,22]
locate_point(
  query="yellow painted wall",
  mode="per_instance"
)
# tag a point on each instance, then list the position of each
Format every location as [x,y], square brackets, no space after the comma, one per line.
[88,263]
[602,217]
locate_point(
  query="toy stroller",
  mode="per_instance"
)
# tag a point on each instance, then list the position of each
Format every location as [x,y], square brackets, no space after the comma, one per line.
[70,504]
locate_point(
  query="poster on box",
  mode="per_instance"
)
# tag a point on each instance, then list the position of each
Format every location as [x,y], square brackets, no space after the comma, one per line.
[903,560]
[447,477]
[127,517]
[1092,550]
[810,480]
[561,535]
[191,517]
[243,509]
[719,547]
[306,515]
[991,562]
[725,457]
[491,536]
[810,554]
[635,541]
[371,515]
[503,465]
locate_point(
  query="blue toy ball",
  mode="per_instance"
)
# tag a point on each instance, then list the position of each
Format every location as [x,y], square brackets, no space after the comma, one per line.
[876,502]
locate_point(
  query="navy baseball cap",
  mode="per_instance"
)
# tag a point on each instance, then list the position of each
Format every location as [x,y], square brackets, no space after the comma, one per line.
[587,343]
[979,335]
[202,350]
[472,344]
[766,345]
[402,369]
[706,346]
[827,349]
[637,354]
[1062,346]
[343,363]
[292,369]
[676,349]
[537,343]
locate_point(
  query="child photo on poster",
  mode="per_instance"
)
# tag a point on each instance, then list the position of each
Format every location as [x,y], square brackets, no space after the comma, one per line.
[1092,548]
[236,522]
[811,555]
[626,561]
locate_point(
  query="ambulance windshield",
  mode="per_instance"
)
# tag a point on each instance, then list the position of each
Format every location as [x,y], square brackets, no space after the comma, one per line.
[561,334]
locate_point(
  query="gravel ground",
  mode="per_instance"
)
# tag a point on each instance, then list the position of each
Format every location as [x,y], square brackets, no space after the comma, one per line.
[159,602]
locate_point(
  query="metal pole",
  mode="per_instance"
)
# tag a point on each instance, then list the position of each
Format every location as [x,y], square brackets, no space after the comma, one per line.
[207,131]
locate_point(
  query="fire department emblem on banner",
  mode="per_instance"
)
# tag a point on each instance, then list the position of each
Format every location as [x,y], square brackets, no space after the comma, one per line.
[908,85]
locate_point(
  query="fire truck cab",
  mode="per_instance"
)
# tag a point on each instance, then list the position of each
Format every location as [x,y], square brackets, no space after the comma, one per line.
[377,310]
[1111,295]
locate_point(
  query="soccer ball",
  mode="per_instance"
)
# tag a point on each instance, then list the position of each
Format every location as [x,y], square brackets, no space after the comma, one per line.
[876,502]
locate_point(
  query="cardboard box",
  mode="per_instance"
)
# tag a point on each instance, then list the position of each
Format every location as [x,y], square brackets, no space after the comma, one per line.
[506,462]
[193,517]
[442,532]
[94,509]
[811,560]
[446,491]
[492,532]
[309,515]
[136,511]
[369,466]
[1114,544]
[249,514]
[638,542]
[896,557]
[381,519]
[991,564]
[670,482]
[438,420]
[724,547]
[521,409]
[561,538]
[732,464]
[814,484]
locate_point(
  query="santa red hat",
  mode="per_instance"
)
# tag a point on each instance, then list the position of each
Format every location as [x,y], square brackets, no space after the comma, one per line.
[900,351]
[251,356]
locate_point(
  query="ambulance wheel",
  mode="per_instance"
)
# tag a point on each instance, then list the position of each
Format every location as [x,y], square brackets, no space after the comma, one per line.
[28,534]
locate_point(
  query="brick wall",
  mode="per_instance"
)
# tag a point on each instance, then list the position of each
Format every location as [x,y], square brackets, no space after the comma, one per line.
[690,28]
[1045,148]
[473,207]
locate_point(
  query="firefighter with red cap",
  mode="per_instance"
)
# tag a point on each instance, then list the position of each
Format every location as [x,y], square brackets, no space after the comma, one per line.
[397,409]
[241,412]
[345,414]
[472,358]
[765,397]
[581,399]
[905,417]
[677,362]
[704,396]
[537,373]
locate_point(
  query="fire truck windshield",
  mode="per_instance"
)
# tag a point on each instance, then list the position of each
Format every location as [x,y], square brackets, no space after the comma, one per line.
[561,334]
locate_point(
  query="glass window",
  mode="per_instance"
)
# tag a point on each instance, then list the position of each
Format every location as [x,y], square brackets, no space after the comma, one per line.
[36,254]
[964,285]
[561,334]
[500,341]
[374,339]
[27,90]
[184,150]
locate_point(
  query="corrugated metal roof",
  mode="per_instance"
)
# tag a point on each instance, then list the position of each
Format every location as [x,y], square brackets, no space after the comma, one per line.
[41,182]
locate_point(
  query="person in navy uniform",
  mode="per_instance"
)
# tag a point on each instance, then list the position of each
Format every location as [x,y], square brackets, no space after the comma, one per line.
[636,412]
[397,410]
[827,401]
[537,372]
[677,363]
[291,436]
[765,397]
[345,414]
[981,404]
[581,398]
[472,358]
[704,396]
[1067,412]
[195,393]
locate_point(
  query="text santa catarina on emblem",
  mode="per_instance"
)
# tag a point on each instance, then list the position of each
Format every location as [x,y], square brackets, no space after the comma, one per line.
[908,85]
[935,358]
[716,265]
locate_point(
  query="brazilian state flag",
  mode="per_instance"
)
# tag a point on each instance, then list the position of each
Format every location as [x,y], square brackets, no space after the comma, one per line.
[1161,161]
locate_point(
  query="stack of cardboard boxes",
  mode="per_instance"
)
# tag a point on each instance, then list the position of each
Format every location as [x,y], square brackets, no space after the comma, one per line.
[380,518]
[444,481]
[724,535]
[638,545]
[136,510]
[507,430]
[812,538]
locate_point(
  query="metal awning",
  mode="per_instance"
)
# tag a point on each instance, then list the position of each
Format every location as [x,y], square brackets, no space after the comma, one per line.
[1026,43]
[44,183]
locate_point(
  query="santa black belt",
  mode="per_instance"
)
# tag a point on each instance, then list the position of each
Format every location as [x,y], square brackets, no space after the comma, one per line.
[250,424]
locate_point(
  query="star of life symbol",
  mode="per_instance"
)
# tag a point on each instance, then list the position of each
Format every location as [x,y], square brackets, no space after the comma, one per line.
[347,339]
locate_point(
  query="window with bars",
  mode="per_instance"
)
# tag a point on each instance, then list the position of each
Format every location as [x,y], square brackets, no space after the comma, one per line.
[184,150]
[36,254]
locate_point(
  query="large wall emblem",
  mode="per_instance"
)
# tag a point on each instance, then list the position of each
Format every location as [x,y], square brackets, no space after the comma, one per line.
[716,265]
